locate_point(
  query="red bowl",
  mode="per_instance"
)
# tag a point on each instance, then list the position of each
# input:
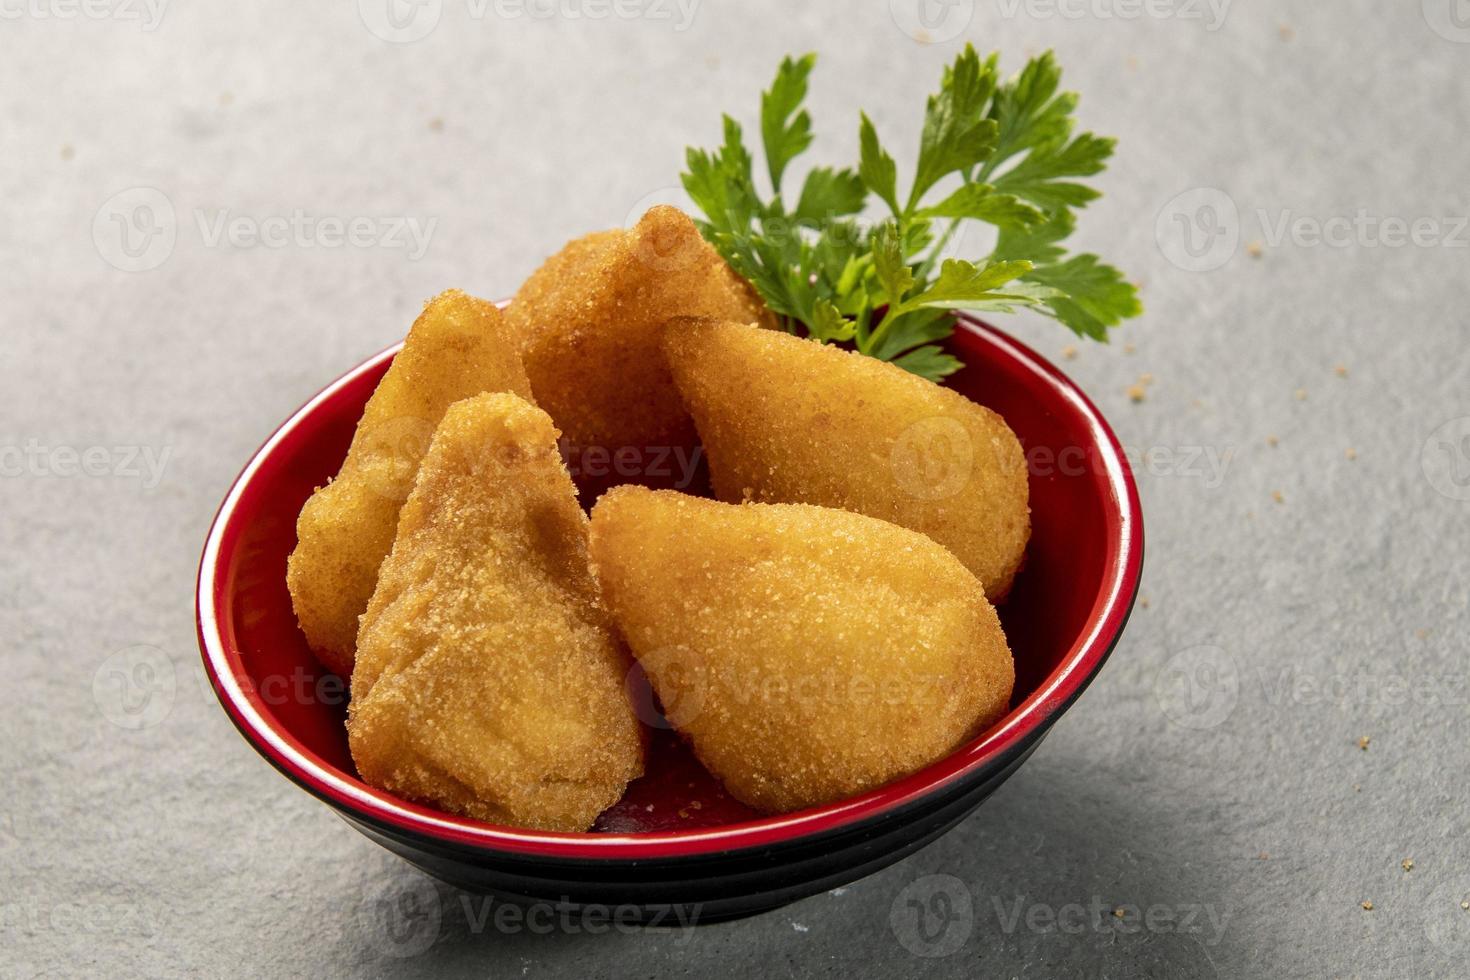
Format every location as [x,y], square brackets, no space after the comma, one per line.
[676,839]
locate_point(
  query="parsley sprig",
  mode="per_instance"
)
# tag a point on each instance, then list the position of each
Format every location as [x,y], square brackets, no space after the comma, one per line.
[887,289]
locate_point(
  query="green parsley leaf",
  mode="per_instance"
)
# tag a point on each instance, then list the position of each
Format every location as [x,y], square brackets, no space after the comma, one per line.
[829,324]
[1006,150]
[984,203]
[829,193]
[1036,178]
[956,135]
[961,283]
[929,361]
[875,166]
[892,271]
[785,138]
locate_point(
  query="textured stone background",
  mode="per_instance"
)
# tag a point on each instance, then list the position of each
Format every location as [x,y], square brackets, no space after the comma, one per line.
[1213,771]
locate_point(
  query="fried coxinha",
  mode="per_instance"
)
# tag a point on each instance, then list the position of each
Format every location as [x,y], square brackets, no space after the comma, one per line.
[459,346]
[590,321]
[806,653]
[488,681]
[788,420]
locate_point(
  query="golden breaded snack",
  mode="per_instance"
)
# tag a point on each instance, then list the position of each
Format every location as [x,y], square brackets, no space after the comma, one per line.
[488,682]
[787,420]
[458,347]
[806,653]
[590,318]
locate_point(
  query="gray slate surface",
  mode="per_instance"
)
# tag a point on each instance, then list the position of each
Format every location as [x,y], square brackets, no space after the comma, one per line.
[1242,803]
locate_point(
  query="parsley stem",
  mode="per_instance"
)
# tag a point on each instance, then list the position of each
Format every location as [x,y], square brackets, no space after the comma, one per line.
[927,266]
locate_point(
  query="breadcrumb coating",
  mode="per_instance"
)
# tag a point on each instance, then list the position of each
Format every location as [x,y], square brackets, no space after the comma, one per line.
[459,346]
[806,653]
[488,682]
[589,319]
[787,420]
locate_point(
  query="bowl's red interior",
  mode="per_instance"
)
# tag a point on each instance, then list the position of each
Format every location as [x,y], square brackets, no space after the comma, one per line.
[1064,610]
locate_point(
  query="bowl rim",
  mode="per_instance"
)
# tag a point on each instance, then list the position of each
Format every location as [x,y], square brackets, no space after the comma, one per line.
[1022,725]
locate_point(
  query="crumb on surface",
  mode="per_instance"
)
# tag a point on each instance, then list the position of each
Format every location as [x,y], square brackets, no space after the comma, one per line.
[1136,393]
[1278,496]
[1407,864]
[1364,742]
[1301,394]
[1367,905]
[1129,348]
[1143,602]
[1341,371]
[436,124]
[1069,352]
[67,151]
[1350,453]
[1272,441]
[1254,250]
[1287,32]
